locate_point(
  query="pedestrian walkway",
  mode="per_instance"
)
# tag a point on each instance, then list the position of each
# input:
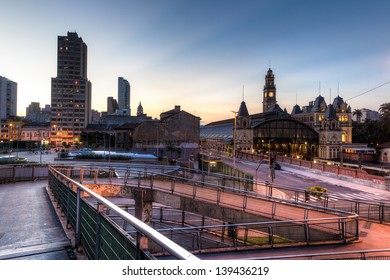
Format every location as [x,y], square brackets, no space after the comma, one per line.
[30,227]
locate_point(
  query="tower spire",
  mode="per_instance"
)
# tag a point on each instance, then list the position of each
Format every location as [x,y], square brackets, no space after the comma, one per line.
[319,87]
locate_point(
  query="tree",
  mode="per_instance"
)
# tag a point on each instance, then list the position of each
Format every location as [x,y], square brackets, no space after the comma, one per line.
[358,113]
[384,123]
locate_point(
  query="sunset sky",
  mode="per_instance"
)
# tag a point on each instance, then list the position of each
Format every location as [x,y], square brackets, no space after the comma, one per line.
[206,56]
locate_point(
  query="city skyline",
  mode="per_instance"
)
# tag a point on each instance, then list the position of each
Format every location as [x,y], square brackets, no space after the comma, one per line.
[205,56]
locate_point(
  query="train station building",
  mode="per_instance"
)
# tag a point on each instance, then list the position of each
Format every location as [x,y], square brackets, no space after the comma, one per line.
[316,130]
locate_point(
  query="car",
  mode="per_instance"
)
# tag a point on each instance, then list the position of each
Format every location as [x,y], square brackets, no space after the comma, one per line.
[277,166]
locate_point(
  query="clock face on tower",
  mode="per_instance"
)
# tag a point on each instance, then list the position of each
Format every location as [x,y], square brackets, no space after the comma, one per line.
[270,94]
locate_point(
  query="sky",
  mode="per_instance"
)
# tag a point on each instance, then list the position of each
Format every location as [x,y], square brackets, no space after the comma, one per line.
[206,55]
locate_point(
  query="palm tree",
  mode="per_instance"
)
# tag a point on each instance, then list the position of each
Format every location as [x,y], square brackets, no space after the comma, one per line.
[358,113]
[384,123]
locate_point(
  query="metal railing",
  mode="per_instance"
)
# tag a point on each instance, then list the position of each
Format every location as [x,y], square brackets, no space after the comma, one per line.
[100,238]
[199,233]
[247,201]
[376,254]
[288,222]
[371,210]
[25,172]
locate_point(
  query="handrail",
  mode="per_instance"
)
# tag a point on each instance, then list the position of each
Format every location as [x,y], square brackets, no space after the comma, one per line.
[323,254]
[246,192]
[167,244]
[352,217]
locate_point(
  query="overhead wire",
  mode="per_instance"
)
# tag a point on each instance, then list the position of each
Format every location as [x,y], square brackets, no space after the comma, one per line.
[368,91]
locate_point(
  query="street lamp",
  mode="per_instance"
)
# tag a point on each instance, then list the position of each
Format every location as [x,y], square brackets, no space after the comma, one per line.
[234,141]
[10,128]
[269,157]
[40,145]
[17,142]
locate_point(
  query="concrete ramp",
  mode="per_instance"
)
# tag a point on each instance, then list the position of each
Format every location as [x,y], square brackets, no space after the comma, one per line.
[29,225]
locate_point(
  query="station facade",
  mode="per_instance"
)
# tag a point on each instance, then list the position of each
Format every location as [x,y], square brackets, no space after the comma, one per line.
[317,130]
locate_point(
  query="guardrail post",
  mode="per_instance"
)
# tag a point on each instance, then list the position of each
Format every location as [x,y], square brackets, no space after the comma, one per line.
[95,175]
[13,174]
[110,174]
[307,233]
[194,191]
[33,173]
[81,175]
[344,230]
[270,236]
[269,188]
[78,221]
[173,185]
[219,196]
[273,209]
[143,211]
[100,208]
[381,212]
[244,202]
[139,179]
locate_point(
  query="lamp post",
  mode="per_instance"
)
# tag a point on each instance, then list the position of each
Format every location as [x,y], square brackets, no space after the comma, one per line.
[269,158]
[109,147]
[234,141]
[40,145]
[17,142]
[10,137]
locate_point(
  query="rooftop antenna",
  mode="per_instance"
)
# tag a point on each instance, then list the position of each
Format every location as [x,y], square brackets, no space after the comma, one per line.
[338,88]
[319,87]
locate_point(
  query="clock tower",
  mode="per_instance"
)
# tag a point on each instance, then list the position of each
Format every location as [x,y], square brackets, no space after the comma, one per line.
[269,92]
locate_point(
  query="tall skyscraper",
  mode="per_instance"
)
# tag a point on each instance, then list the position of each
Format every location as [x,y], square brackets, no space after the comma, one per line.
[70,91]
[8,98]
[124,95]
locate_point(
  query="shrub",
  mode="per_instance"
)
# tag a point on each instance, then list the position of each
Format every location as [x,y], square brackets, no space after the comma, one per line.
[317,191]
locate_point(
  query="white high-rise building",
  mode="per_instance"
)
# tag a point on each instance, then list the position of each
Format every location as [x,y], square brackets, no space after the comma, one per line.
[124,95]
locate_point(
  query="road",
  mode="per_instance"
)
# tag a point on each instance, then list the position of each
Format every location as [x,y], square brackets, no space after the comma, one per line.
[289,176]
